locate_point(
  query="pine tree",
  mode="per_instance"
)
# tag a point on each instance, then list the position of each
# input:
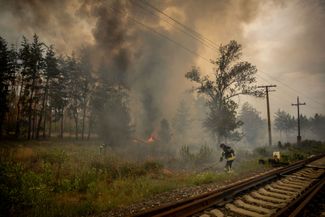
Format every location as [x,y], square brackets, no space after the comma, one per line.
[6,74]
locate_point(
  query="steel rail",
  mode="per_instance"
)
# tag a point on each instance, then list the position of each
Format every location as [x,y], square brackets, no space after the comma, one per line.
[295,207]
[221,196]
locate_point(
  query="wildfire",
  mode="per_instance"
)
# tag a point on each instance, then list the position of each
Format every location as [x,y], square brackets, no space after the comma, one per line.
[151,138]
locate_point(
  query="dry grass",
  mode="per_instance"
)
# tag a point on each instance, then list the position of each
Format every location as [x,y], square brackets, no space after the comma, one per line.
[65,178]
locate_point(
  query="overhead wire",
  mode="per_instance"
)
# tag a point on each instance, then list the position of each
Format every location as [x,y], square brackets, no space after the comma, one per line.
[193,36]
[201,39]
[190,30]
[214,45]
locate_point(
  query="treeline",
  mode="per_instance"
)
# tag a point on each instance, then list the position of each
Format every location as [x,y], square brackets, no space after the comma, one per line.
[39,88]
[286,124]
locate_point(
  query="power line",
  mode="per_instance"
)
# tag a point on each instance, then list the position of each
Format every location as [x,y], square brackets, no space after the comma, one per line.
[214,45]
[195,37]
[162,35]
[191,35]
[181,24]
[291,88]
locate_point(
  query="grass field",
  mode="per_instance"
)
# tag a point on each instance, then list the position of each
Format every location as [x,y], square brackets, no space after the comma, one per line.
[68,178]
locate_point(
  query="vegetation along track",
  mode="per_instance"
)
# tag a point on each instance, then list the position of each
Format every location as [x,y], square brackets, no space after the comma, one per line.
[281,192]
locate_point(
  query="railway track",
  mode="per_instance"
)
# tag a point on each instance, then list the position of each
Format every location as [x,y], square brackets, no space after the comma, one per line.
[280,193]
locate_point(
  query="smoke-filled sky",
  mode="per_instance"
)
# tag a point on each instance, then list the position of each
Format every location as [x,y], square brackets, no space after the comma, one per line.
[284,39]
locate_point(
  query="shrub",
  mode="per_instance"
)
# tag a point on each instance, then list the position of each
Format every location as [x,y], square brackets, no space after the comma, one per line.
[185,154]
[205,155]
[262,151]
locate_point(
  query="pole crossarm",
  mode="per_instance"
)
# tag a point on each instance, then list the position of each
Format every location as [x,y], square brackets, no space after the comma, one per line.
[298,104]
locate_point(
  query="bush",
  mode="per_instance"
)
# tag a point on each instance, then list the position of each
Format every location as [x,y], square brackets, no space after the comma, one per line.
[204,155]
[22,191]
[207,177]
[185,154]
[262,151]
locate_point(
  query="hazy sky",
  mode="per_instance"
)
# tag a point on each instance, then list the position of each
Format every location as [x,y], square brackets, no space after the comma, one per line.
[284,39]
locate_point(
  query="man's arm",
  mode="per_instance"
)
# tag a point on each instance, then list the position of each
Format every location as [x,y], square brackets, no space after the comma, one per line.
[222,156]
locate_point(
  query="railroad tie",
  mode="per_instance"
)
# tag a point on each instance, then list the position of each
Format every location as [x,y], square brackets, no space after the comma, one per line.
[217,213]
[283,192]
[241,211]
[205,215]
[265,192]
[305,172]
[267,198]
[298,187]
[254,208]
[313,174]
[285,188]
[293,179]
[300,177]
[295,182]
[251,199]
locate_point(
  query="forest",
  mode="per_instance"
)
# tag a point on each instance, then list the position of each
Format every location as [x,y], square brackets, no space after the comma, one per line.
[111,108]
[45,95]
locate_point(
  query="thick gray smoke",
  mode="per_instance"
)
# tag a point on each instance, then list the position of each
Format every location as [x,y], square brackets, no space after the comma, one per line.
[151,66]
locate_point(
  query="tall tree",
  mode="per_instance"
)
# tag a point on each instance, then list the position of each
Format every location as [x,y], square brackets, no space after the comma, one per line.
[232,77]
[318,126]
[51,72]
[86,85]
[164,133]
[110,109]
[33,62]
[283,121]
[6,75]
[74,91]
[181,122]
[253,125]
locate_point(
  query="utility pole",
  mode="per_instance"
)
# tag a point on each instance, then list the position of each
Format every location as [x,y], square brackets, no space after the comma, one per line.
[267,90]
[298,105]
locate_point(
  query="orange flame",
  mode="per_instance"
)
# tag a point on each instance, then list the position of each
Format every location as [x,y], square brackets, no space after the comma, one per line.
[151,139]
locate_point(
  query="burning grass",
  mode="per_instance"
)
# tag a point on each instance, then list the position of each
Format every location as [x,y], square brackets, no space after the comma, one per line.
[49,178]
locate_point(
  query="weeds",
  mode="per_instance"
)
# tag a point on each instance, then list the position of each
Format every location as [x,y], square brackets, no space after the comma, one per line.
[75,180]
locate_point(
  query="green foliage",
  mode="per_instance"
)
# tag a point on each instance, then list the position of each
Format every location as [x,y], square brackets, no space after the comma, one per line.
[207,177]
[263,151]
[204,155]
[23,190]
[253,125]
[90,183]
[284,122]
[111,111]
[164,133]
[231,78]
[185,154]
[181,122]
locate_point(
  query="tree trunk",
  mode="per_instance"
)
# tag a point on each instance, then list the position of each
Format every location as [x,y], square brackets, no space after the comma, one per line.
[76,124]
[17,132]
[89,127]
[50,123]
[39,125]
[61,128]
[30,113]
[42,113]
[1,123]
[44,123]
[34,120]
[83,121]
[29,122]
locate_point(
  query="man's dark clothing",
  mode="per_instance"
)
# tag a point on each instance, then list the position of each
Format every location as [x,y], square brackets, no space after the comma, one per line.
[229,154]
